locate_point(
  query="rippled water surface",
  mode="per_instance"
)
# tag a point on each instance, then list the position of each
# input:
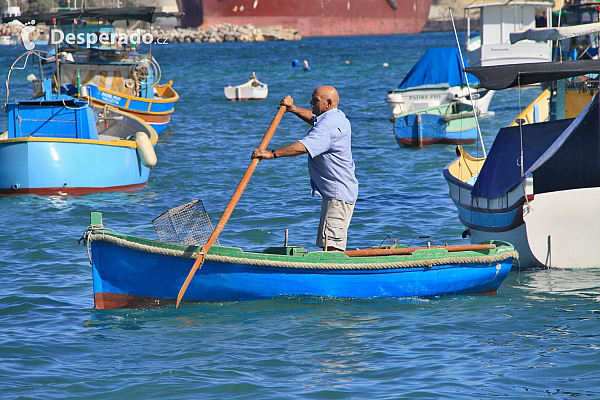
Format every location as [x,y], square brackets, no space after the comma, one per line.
[538,338]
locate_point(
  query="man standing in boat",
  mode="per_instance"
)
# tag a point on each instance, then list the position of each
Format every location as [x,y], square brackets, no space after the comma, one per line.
[330,164]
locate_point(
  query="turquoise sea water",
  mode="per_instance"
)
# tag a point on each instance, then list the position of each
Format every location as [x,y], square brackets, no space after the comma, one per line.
[536,339]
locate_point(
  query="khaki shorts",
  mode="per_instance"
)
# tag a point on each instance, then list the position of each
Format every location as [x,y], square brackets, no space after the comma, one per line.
[335,219]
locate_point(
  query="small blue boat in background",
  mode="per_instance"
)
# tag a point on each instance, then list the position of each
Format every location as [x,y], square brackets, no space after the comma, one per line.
[435,103]
[132,272]
[57,144]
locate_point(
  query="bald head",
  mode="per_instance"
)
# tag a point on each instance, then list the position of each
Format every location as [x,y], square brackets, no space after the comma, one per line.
[328,93]
[324,98]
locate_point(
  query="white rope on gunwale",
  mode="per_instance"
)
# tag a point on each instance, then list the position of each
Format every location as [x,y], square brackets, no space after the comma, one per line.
[302,265]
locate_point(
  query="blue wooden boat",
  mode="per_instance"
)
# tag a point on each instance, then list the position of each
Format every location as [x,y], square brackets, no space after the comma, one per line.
[58,144]
[452,123]
[133,272]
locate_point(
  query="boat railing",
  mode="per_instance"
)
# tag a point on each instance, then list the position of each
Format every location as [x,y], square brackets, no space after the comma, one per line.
[43,55]
[108,55]
[583,83]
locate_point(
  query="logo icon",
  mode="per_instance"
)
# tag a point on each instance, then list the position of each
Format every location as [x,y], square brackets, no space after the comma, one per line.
[27,29]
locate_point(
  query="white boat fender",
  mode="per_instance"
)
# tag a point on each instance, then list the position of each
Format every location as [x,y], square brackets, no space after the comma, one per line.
[145,150]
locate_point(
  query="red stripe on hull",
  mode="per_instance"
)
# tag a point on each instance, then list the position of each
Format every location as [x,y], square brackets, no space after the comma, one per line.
[329,26]
[489,292]
[152,118]
[107,301]
[408,142]
[62,191]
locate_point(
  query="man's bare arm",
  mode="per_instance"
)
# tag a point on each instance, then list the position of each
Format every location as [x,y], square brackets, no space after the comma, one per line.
[303,113]
[292,150]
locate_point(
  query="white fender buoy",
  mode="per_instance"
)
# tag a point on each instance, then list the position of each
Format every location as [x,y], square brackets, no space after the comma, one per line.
[145,150]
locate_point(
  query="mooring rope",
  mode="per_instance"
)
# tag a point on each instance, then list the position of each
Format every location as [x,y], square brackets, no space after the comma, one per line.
[101,237]
[86,238]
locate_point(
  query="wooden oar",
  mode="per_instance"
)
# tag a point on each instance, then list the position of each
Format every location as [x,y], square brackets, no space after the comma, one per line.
[232,203]
[408,250]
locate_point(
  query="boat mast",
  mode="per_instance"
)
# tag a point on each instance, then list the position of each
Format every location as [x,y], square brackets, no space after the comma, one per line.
[58,83]
[462,62]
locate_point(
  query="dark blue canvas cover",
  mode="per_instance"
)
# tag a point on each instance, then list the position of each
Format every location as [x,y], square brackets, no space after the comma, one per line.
[573,160]
[501,171]
[560,155]
[440,67]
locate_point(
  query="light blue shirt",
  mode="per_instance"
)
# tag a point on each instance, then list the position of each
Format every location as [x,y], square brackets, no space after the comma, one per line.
[330,161]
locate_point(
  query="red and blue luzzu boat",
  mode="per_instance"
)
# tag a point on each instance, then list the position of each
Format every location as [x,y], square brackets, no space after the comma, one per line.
[129,84]
[105,67]
[59,145]
[133,272]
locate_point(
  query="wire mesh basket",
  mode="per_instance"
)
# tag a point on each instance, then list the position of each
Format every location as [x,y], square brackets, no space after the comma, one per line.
[188,224]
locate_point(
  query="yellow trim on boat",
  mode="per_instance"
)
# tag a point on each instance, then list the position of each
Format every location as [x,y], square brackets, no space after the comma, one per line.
[118,143]
[465,166]
[147,126]
[575,101]
[163,90]
[543,102]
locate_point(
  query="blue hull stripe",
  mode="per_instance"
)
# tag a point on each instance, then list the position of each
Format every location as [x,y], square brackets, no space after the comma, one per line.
[40,164]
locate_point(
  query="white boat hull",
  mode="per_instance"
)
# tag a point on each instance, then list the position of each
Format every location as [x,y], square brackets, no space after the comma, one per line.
[518,238]
[560,231]
[505,53]
[562,228]
[496,219]
[403,101]
[246,93]
[492,45]
[8,41]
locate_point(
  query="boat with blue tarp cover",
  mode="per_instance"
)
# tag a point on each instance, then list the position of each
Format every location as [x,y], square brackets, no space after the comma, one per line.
[435,102]
[133,272]
[437,79]
[540,184]
[57,144]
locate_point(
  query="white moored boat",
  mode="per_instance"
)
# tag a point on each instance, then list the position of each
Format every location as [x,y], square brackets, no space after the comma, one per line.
[251,90]
[492,45]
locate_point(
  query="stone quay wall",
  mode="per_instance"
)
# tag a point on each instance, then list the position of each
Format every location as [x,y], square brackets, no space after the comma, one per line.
[225,33]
